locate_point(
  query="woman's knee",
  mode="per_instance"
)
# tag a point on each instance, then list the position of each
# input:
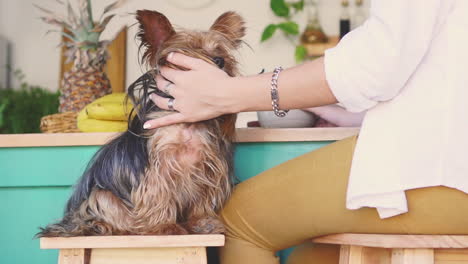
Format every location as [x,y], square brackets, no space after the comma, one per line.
[231,215]
[243,220]
[243,244]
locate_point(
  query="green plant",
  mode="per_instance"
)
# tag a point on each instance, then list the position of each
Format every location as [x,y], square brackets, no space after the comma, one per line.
[21,109]
[286,11]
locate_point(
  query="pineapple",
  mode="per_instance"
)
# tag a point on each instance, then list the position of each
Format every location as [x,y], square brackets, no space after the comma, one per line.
[86,80]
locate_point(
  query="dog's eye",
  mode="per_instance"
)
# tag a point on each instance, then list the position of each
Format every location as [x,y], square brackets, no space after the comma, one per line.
[219,61]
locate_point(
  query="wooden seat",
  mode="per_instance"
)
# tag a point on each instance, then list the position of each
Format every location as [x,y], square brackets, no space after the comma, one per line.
[187,249]
[399,249]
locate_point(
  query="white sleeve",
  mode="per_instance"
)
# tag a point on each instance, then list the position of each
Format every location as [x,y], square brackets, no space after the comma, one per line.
[373,62]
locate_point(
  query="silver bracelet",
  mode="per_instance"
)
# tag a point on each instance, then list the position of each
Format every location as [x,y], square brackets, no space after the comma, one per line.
[274,93]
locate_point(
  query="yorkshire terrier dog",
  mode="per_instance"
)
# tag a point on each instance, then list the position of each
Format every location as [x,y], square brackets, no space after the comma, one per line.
[165,181]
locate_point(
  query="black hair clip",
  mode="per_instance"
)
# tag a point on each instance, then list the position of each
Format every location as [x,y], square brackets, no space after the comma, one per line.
[219,61]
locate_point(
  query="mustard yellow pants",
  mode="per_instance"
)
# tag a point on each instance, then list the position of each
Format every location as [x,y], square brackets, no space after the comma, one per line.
[305,198]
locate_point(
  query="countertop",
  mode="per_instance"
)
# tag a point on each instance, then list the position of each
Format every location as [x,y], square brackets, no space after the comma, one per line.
[243,135]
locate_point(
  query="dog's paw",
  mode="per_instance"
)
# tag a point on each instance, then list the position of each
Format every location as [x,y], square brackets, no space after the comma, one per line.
[169,229]
[207,225]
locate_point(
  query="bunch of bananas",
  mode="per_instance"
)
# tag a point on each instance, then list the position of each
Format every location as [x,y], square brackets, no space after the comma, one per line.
[106,114]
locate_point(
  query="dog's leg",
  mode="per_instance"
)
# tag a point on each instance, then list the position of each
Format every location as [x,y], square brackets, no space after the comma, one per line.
[154,214]
[168,229]
[203,220]
[111,211]
[204,225]
[101,214]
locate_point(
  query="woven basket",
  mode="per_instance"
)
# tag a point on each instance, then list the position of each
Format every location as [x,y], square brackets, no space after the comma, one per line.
[60,123]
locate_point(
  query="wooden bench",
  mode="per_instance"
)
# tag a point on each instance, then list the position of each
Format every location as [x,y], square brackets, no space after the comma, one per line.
[399,249]
[187,249]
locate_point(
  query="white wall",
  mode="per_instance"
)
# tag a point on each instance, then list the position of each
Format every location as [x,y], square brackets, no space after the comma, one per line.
[37,55]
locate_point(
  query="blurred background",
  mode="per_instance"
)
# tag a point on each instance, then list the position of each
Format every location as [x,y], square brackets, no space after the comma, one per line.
[35,56]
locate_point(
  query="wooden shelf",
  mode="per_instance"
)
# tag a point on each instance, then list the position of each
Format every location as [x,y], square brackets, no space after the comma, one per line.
[294,134]
[132,241]
[243,135]
[133,249]
[396,241]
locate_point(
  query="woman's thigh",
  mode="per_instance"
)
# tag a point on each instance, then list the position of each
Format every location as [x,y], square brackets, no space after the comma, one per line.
[305,198]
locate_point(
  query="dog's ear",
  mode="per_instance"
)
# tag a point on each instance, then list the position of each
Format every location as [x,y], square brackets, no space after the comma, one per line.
[232,25]
[154,29]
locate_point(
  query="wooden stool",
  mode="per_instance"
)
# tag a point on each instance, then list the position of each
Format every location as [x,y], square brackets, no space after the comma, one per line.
[399,249]
[187,249]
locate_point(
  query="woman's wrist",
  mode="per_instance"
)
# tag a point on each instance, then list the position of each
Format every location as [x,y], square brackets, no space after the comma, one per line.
[299,87]
[236,104]
[252,93]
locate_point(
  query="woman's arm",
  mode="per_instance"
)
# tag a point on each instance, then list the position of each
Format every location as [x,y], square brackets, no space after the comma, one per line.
[370,65]
[298,87]
[206,92]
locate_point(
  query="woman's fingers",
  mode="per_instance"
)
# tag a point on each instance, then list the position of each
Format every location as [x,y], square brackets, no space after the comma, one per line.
[194,91]
[187,62]
[162,102]
[170,74]
[172,119]
[164,85]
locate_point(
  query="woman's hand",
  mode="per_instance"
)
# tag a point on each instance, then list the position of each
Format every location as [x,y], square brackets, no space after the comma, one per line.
[203,92]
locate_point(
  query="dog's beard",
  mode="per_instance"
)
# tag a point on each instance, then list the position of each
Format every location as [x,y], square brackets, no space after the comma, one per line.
[187,170]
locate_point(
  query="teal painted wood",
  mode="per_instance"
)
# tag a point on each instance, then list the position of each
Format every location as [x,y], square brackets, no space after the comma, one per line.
[251,159]
[44,166]
[23,210]
[35,184]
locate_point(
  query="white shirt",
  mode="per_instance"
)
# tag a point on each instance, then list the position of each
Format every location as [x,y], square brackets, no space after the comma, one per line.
[408,65]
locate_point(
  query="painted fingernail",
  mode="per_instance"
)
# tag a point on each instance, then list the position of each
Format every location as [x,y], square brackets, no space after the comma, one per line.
[146,126]
[169,57]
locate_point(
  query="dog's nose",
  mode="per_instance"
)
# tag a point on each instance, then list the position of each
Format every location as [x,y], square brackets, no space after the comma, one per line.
[219,61]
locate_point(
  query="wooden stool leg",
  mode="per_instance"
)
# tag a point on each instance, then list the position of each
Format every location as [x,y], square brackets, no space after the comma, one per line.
[74,256]
[412,256]
[350,254]
[364,255]
[344,254]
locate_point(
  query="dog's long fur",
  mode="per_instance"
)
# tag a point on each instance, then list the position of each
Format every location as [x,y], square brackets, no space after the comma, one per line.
[170,180]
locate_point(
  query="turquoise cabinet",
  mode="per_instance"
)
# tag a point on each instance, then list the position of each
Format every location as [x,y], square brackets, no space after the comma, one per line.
[35,183]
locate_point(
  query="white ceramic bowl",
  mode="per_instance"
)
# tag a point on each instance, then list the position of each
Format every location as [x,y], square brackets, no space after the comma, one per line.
[294,119]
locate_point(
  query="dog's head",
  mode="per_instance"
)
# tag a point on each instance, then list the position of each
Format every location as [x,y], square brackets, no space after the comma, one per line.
[216,46]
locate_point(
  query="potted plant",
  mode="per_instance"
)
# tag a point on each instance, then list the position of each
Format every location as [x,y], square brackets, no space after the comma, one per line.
[21,109]
[286,11]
